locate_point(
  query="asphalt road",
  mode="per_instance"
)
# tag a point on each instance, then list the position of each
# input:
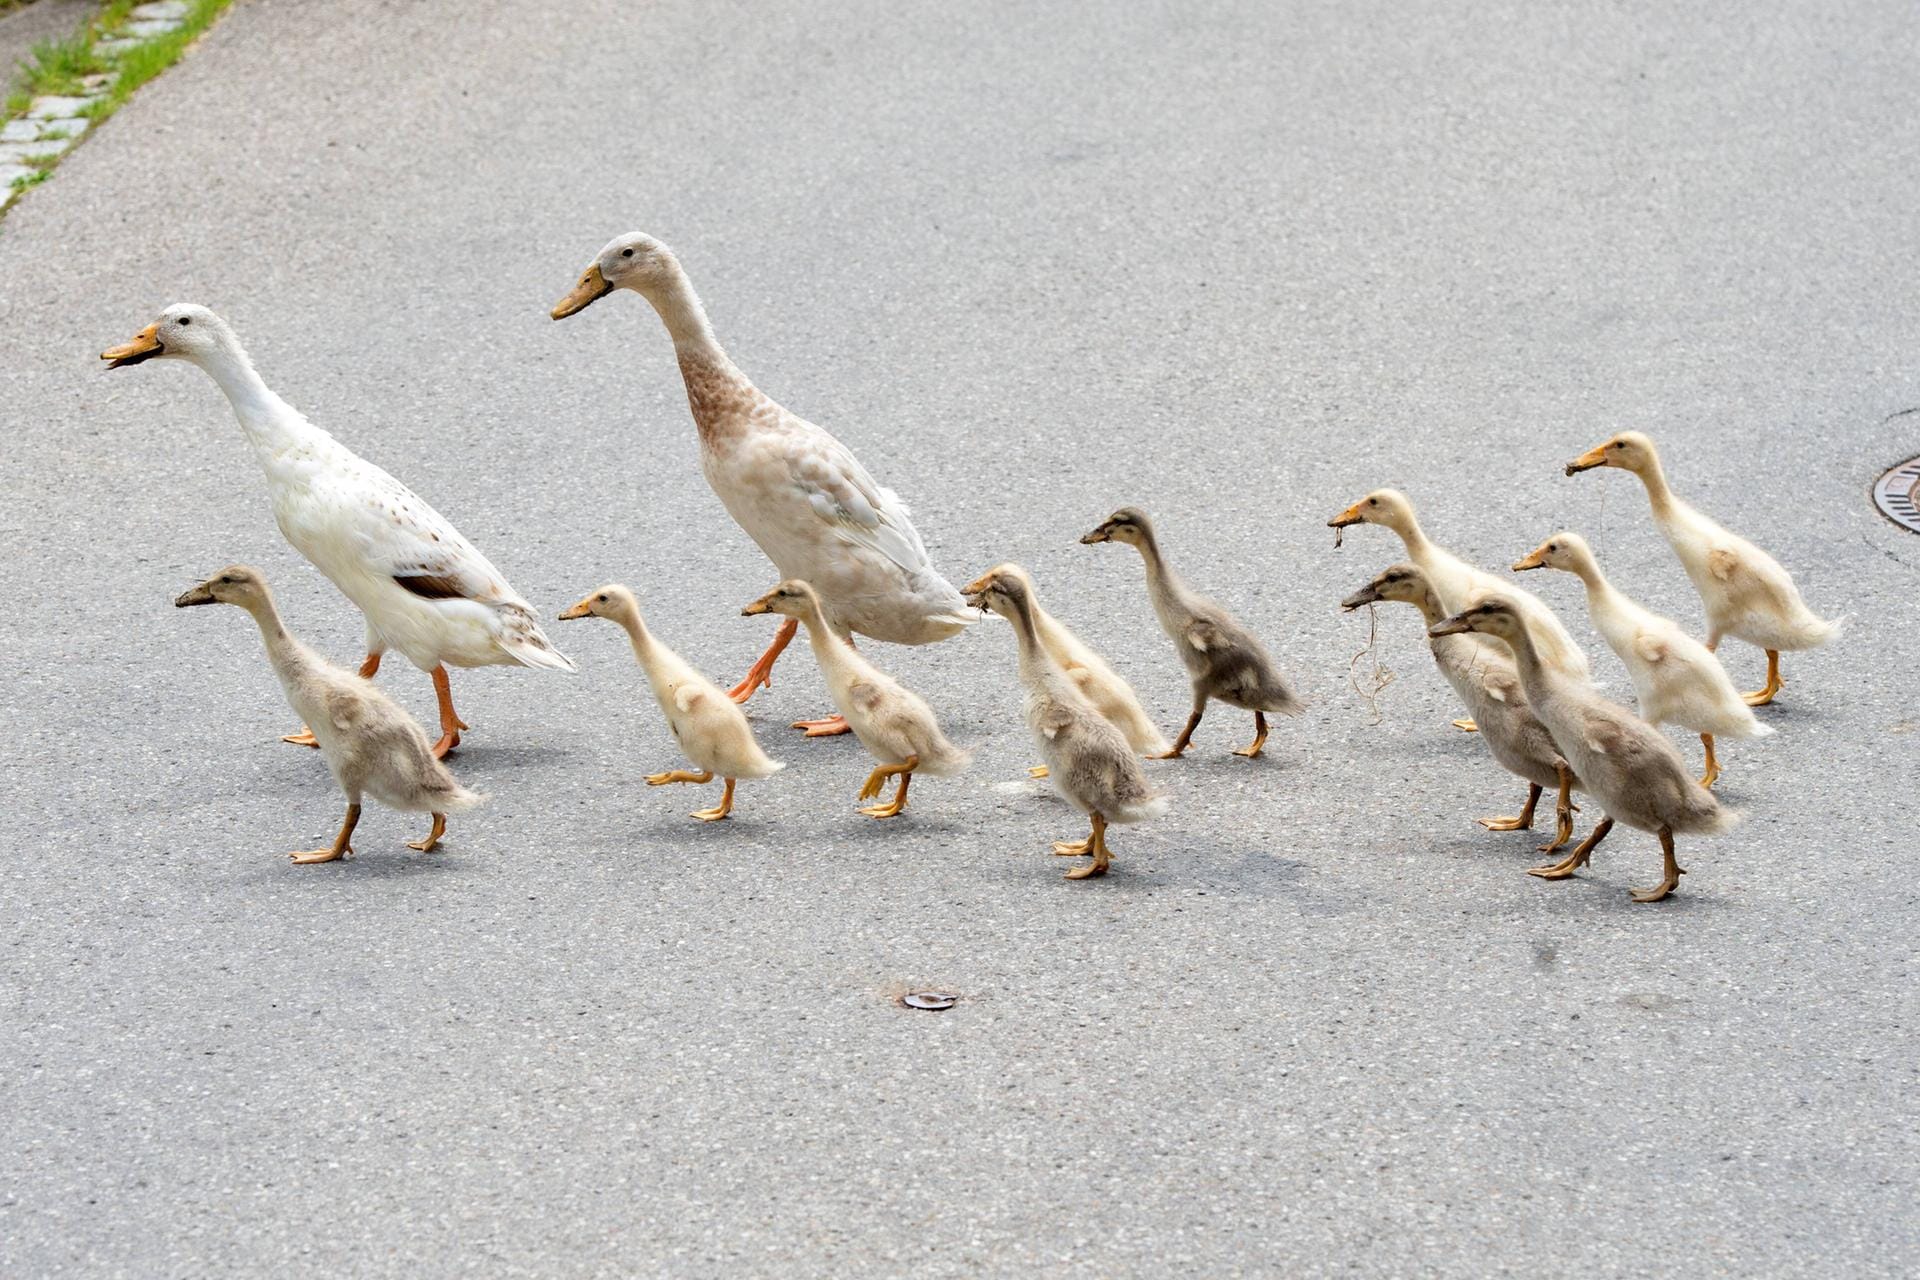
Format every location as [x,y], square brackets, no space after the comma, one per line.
[1238,264]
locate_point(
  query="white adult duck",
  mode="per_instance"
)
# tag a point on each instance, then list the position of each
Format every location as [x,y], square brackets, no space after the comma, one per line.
[1746,592]
[425,590]
[796,490]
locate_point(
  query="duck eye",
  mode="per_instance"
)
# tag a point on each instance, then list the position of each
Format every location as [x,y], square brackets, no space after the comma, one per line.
[186,320]
[1373,502]
[602,597]
[626,253]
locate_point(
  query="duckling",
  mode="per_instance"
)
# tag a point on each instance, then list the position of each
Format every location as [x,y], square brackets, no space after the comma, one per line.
[1746,592]
[896,727]
[1091,763]
[1676,678]
[1459,584]
[1622,761]
[1111,696]
[1483,675]
[1224,660]
[371,746]
[709,726]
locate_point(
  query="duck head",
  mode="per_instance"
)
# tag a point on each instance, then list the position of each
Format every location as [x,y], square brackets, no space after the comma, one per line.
[1129,525]
[1630,451]
[634,261]
[1496,616]
[236,584]
[183,332]
[1388,507]
[791,599]
[1401,582]
[1004,589]
[610,601]
[1567,551]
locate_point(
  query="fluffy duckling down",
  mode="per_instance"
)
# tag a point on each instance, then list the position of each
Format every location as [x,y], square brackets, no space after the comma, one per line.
[372,747]
[1224,660]
[1483,675]
[896,726]
[1101,685]
[711,729]
[1676,678]
[1622,761]
[1459,584]
[1089,760]
[1746,593]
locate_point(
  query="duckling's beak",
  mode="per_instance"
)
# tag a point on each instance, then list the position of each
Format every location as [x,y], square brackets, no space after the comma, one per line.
[763,605]
[1366,595]
[581,610]
[145,346]
[1532,560]
[1453,626]
[592,287]
[1103,534]
[1594,457]
[201,594]
[1350,516]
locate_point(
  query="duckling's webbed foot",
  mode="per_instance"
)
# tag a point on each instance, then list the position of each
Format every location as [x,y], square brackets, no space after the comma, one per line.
[1179,746]
[1039,771]
[832,726]
[1523,821]
[718,811]
[1072,848]
[1466,726]
[340,848]
[1762,696]
[1712,775]
[678,775]
[432,841]
[878,777]
[1563,810]
[760,674]
[303,737]
[1581,855]
[1096,844]
[1670,868]
[1259,743]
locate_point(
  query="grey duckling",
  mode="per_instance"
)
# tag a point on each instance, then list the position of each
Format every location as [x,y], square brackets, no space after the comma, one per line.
[370,744]
[1626,764]
[1487,682]
[1089,760]
[1224,660]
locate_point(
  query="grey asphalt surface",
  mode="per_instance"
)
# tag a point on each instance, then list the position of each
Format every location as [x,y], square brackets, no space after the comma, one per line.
[1236,264]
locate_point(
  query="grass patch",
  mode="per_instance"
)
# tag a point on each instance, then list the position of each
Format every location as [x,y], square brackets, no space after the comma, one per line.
[62,66]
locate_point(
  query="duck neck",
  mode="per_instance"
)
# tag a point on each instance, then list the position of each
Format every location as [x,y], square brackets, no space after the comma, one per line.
[1429,606]
[272,425]
[1600,593]
[1035,662]
[1532,674]
[686,320]
[1162,581]
[288,656]
[828,647]
[1654,477]
[718,394]
[1414,538]
[638,636]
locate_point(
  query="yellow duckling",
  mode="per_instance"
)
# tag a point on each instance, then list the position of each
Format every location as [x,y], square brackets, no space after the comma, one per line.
[709,726]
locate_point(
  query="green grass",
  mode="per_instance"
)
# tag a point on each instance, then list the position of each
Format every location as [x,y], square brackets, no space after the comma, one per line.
[60,66]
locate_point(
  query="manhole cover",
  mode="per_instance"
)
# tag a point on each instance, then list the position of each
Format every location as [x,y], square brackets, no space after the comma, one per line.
[928,1000]
[1898,495]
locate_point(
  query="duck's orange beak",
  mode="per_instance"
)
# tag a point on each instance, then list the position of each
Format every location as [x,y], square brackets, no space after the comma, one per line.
[145,346]
[1534,559]
[763,605]
[1594,457]
[1350,516]
[592,287]
[581,610]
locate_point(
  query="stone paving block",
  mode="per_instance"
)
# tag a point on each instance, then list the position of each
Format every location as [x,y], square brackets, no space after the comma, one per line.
[19,131]
[114,46]
[160,11]
[51,107]
[11,173]
[71,127]
[148,30]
